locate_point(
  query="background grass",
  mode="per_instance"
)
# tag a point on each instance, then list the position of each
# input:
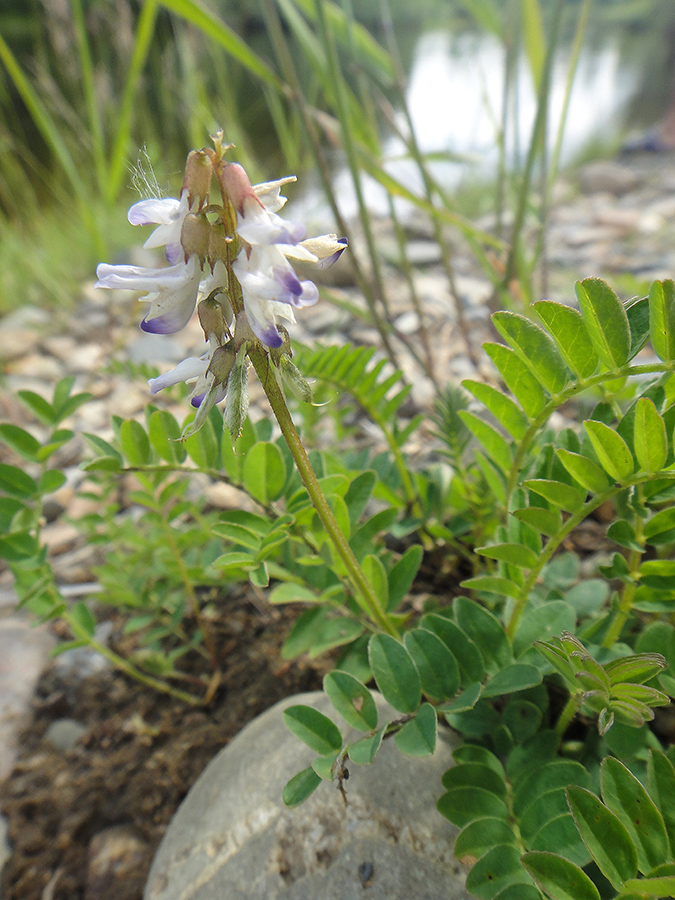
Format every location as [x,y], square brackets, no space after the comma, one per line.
[302,86]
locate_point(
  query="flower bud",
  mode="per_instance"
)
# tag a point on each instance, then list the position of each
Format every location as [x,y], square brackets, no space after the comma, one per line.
[197,178]
[221,363]
[219,246]
[212,317]
[236,408]
[236,186]
[194,236]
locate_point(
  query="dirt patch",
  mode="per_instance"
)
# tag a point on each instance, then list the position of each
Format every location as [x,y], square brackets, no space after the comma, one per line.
[128,773]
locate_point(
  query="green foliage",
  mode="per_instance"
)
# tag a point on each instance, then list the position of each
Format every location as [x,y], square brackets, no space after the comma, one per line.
[628,834]
[480,665]
[509,667]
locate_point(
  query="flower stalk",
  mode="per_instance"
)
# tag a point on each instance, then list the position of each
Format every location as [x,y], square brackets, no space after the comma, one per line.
[365,595]
[233,262]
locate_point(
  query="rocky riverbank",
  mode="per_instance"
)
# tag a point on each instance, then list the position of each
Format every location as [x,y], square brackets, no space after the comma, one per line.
[612,219]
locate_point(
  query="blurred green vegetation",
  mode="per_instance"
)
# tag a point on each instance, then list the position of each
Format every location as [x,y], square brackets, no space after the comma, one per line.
[297,85]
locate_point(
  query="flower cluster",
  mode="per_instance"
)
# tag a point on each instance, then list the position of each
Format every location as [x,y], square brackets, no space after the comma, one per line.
[234,258]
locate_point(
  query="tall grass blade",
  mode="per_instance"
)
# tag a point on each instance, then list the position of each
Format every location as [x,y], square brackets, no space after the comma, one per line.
[514,267]
[215,29]
[118,159]
[43,121]
[535,39]
[93,107]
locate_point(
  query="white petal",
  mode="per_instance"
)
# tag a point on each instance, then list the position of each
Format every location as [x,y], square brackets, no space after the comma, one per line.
[154,211]
[269,193]
[141,278]
[186,371]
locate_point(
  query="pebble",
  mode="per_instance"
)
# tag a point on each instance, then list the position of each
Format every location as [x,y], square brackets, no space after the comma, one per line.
[36,365]
[117,865]
[24,650]
[73,666]
[5,849]
[607,176]
[233,839]
[63,734]
[16,342]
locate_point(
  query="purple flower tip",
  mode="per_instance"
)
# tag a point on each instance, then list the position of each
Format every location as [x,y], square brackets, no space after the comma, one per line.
[271,338]
[156,326]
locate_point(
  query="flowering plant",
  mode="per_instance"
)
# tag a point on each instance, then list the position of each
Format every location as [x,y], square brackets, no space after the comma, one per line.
[491,665]
[235,257]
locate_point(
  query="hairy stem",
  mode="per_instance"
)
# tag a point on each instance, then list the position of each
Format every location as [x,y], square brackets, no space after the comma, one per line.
[628,594]
[568,713]
[364,593]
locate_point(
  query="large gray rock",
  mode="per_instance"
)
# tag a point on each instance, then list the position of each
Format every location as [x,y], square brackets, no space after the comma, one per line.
[233,839]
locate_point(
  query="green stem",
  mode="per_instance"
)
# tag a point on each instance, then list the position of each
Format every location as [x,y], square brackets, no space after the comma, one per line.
[206,632]
[557,400]
[554,542]
[119,662]
[364,593]
[628,595]
[568,713]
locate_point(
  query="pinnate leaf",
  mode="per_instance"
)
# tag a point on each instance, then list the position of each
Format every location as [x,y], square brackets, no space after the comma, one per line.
[558,877]
[164,434]
[512,678]
[16,482]
[19,440]
[363,752]
[612,451]
[464,804]
[629,801]
[395,673]
[571,335]
[437,667]
[557,492]
[352,699]
[606,321]
[482,835]
[509,415]
[467,654]
[418,736]
[649,436]
[485,630]
[475,774]
[499,868]
[264,472]
[584,470]
[514,554]
[534,347]
[518,378]
[402,575]
[661,781]
[636,668]
[492,441]
[547,521]
[298,789]
[608,841]
[662,319]
[312,727]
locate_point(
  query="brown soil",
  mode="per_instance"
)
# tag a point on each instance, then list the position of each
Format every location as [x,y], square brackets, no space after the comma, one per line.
[141,753]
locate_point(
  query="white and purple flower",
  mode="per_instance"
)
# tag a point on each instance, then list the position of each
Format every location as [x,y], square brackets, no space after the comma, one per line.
[196,250]
[270,286]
